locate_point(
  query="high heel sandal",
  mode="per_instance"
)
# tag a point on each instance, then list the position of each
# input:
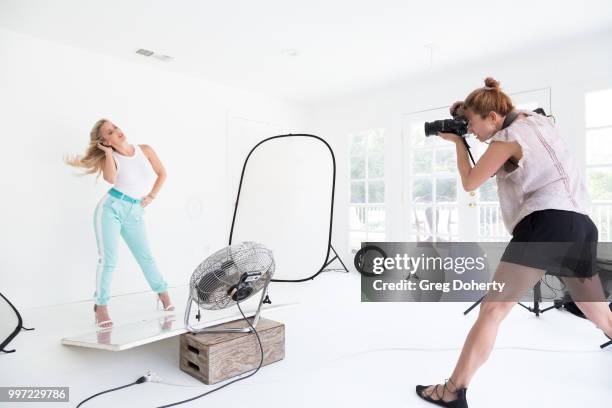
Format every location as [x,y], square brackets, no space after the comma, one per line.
[168,308]
[99,324]
[459,402]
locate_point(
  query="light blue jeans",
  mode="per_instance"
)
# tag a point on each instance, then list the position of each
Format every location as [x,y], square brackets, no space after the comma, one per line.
[123,217]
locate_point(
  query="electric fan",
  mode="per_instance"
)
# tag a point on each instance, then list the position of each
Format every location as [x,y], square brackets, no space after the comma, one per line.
[227,277]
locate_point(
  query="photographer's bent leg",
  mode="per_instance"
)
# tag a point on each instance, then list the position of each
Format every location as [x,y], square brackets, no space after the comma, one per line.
[589,296]
[493,309]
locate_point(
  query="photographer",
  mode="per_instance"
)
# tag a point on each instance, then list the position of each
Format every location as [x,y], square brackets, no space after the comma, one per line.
[543,199]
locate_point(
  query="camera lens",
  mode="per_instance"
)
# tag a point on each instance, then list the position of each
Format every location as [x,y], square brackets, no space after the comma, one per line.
[430,128]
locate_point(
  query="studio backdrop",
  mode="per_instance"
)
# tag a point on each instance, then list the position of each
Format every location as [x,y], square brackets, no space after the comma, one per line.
[285,201]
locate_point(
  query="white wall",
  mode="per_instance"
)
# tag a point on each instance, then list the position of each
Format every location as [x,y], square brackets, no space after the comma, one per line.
[568,67]
[50,96]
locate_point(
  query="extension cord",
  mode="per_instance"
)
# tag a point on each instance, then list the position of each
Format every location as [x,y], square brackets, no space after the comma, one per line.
[151,376]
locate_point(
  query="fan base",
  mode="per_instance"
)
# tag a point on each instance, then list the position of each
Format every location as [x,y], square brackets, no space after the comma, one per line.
[214,357]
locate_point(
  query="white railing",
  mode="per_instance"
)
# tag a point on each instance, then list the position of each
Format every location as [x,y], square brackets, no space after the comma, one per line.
[365,217]
[490,223]
[366,223]
[438,225]
[370,218]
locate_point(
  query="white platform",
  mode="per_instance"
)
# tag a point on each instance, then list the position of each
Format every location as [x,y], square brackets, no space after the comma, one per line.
[133,334]
[339,352]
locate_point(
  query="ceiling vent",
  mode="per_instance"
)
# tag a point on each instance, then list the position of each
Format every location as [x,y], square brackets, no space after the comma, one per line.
[144,52]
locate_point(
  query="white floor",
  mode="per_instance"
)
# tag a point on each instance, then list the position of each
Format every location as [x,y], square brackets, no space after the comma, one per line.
[339,352]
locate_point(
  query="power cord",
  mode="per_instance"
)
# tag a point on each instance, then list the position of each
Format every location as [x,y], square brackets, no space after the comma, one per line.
[138,381]
[151,377]
[233,381]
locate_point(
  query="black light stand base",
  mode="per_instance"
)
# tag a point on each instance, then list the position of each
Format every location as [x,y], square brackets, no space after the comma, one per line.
[537,298]
[336,256]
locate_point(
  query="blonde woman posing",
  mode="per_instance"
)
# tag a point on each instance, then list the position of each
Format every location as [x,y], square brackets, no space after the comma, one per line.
[543,199]
[131,169]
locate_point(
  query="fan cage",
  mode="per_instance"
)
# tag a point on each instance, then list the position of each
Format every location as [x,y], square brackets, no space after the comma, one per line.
[212,280]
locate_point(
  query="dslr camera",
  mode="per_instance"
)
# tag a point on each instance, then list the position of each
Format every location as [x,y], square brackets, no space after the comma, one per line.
[457,125]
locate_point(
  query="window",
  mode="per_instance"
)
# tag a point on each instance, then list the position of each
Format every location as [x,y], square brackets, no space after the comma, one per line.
[367,188]
[433,181]
[598,137]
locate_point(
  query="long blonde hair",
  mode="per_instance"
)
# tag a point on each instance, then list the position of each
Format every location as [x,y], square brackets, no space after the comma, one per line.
[93,159]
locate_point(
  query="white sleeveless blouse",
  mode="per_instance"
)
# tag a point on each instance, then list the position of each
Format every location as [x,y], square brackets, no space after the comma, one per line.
[547,176]
[135,174]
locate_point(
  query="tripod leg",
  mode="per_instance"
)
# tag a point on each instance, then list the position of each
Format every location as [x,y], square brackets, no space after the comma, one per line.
[336,256]
[339,259]
[329,262]
[517,279]
[469,309]
[537,296]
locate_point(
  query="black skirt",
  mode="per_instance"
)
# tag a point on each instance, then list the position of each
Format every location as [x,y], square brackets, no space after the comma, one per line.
[564,243]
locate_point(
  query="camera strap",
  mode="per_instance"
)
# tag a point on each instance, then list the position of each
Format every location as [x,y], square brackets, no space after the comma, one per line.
[510,117]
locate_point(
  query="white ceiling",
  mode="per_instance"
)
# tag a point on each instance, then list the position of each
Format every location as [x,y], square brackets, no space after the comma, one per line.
[343,45]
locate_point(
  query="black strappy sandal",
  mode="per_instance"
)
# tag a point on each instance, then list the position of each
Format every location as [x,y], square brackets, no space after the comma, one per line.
[459,402]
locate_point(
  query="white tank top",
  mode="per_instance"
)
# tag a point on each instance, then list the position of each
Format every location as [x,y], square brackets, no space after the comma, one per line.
[547,176]
[135,175]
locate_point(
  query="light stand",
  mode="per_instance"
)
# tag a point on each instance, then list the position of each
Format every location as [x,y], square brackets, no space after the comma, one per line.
[537,299]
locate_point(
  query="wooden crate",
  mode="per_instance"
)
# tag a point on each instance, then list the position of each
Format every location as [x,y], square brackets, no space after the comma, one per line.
[214,357]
